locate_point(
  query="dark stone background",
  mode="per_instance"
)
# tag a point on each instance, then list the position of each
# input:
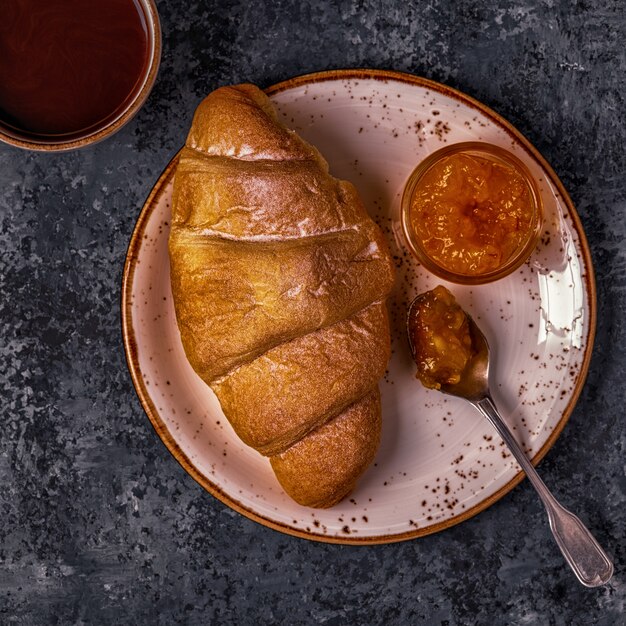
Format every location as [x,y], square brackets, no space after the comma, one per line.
[99,524]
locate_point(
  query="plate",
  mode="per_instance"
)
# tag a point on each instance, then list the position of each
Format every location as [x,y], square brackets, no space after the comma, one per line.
[439,462]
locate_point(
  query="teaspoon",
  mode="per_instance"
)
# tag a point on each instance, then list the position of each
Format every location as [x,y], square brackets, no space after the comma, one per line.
[583,553]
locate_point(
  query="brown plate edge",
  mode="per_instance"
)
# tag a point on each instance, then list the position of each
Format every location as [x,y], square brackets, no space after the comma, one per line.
[144,397]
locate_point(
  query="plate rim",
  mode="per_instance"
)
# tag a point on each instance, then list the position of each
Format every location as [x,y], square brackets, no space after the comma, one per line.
[130,344]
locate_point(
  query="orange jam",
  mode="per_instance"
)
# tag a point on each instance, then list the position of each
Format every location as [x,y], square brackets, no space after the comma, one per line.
[472,212]
[440,337]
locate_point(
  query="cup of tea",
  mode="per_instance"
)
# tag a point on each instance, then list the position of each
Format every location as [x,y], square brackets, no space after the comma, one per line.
[73,72]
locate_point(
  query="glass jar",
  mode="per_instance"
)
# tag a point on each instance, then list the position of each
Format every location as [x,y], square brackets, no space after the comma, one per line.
[471,213]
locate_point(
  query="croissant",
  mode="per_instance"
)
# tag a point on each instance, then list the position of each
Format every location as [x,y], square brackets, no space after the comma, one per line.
[279,279]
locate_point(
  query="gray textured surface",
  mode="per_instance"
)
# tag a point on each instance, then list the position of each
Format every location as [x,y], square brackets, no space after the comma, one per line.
[99,524]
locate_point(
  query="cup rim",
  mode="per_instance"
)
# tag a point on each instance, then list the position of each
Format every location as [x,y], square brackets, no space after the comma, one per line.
[98,132]
[491,151]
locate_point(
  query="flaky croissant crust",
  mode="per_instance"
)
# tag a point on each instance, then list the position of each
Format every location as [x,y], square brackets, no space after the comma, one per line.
[279,278]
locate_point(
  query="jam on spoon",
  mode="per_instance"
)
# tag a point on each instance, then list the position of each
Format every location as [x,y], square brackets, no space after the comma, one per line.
[442,345]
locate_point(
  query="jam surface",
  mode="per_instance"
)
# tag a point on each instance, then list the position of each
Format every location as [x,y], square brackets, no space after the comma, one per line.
[471,213]
[67,65]
[441,338]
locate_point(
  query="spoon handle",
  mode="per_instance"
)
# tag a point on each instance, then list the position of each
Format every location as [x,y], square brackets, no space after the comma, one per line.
[589,562]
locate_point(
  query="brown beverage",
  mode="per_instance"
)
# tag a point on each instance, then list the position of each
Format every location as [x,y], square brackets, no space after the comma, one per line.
[69,65]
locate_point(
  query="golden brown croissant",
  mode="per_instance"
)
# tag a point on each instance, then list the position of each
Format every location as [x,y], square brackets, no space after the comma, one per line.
[279,278]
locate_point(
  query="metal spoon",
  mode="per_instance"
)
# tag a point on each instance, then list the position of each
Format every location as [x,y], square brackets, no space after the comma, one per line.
[589,562]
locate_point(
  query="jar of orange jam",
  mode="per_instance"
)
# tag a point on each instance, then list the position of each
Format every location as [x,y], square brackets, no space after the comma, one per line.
[471,213]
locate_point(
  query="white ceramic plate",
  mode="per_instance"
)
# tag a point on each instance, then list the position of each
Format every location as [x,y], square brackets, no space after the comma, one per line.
[439,462]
